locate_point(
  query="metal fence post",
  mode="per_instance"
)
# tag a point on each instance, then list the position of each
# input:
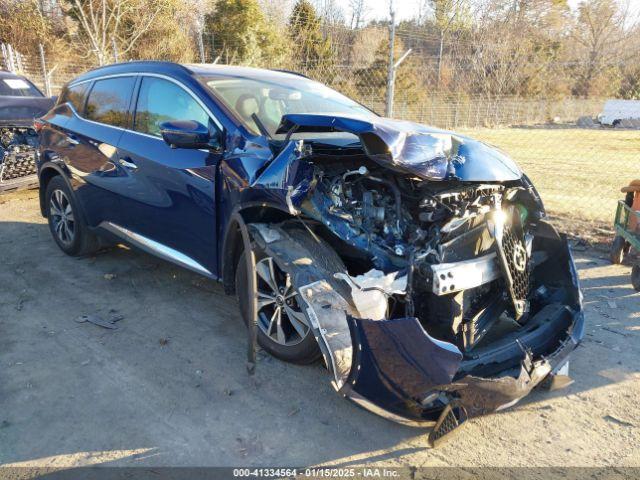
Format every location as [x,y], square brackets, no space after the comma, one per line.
[45,75]
[201,46]
[391,73]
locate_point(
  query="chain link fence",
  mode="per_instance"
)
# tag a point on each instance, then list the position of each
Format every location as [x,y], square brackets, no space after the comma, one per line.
[578,170]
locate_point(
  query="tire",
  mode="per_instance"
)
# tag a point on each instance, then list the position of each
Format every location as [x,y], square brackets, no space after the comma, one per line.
[66,223]
[306,350]
[635,277]
[618,249]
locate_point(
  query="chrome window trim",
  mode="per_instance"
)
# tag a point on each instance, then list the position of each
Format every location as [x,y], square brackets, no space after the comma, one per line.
[156,248]
[156,75]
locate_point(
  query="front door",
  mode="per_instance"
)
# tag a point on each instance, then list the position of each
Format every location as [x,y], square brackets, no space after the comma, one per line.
[170,198]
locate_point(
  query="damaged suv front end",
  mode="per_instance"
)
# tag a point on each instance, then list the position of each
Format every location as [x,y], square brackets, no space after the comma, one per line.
[20,103]
[456,299]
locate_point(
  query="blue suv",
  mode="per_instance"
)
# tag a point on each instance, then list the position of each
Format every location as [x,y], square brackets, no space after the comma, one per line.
[416,262]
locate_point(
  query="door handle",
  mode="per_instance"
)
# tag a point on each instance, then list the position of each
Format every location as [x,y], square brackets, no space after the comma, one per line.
[127,164]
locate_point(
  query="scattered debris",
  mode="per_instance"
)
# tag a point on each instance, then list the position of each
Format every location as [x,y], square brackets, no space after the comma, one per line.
[85,363]
[99,321]
[617,421]
[293,412]
[613,330]
[163,341]
[228,392]
[109,276]
[21,299]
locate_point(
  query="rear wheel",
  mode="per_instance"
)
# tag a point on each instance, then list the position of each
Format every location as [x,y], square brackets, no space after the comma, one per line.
[635,277]
[619,248]
[67,227]
[283,328]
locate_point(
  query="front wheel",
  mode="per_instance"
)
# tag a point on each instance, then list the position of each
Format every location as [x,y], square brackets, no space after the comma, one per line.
[283,328]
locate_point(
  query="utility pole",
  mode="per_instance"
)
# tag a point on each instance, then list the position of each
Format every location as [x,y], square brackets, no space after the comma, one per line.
[393,66]
[201,44]
[45,74]
[391,73]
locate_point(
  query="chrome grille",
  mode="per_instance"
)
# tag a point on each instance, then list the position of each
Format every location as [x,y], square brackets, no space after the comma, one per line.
[17,165]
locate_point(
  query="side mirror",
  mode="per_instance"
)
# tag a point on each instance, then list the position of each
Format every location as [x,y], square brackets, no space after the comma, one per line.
[188,134]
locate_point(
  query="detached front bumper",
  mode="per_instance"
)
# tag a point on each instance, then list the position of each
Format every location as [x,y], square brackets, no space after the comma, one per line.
[403,374]
[395,369]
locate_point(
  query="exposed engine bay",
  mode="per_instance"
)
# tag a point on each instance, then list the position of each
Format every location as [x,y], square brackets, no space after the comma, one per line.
[466,249]
[17,156]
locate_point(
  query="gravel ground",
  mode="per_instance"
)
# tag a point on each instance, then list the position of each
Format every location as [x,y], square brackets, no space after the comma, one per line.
[169,385]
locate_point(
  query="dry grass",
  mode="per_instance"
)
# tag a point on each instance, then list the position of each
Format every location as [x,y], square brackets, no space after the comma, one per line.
[579,172]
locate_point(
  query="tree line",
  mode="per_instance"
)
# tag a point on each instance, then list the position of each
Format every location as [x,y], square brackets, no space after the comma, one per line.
[489,48]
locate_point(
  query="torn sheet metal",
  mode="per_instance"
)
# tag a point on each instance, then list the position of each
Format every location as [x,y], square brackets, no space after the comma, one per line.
[287,178]
[370,292]
[427,152]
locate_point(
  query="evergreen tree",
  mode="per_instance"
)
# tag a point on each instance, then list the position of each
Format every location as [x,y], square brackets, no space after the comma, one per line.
[311,50]
[242,34]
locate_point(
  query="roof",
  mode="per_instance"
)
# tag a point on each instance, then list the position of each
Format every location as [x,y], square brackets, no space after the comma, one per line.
[170,68]
[6,74]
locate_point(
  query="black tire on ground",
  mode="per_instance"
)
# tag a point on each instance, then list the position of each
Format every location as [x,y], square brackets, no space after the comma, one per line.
[618,249]
[635,277]
[74,238]
[305,351]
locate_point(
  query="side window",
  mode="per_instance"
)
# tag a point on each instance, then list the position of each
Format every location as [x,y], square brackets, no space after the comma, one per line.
[109,100]
[160,101]
[74,95]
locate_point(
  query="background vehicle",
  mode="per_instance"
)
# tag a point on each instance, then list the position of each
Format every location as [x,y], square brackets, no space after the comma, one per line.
[627,225]
[20,103]
[407,257]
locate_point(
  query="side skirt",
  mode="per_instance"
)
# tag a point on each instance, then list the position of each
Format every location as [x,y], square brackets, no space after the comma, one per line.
[155,248]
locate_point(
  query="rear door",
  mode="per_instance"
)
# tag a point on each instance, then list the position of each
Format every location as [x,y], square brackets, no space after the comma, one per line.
[170,200]
[91,138]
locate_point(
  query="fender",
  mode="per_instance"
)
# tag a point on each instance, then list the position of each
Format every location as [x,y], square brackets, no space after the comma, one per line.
[234,237]
[48,170]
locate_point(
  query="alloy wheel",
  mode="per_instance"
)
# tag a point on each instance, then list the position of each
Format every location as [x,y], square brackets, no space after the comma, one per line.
[279,314]
[62,217]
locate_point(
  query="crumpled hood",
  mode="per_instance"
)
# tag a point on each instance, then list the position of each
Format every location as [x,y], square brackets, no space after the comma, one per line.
[427,152]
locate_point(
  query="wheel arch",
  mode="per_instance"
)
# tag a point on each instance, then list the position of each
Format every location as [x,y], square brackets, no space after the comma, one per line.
[47,172]
[236,237]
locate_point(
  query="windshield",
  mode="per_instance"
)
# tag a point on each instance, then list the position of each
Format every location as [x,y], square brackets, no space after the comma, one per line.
[260,104]
[17,87]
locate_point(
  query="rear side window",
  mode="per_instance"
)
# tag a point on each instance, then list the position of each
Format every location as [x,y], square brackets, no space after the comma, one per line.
[75,96]
[160,101]
[109,100]
[18,87]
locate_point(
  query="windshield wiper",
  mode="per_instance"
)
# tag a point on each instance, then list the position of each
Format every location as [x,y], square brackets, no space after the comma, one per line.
[260,125]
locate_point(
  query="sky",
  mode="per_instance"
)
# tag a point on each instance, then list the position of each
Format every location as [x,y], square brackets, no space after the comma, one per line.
[379,9]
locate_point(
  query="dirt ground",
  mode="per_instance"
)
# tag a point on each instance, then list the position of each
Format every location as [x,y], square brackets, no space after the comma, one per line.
[169,385]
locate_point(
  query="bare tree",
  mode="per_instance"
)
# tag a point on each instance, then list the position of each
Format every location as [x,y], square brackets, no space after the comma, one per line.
[603,39]
[111,24]
[359,12]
